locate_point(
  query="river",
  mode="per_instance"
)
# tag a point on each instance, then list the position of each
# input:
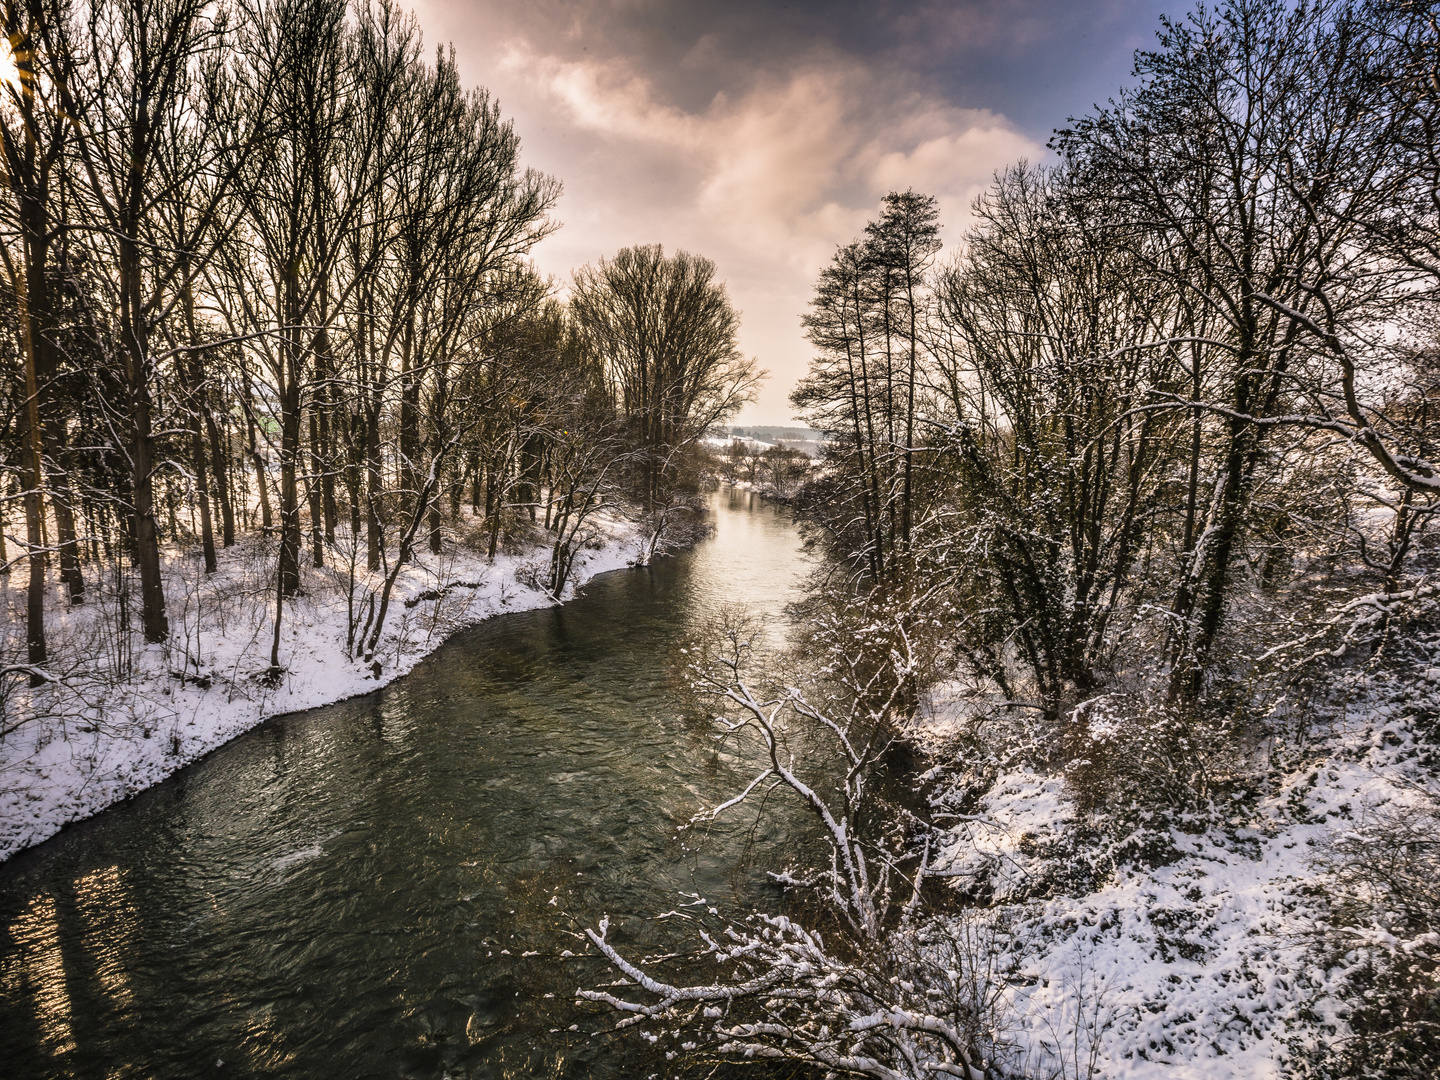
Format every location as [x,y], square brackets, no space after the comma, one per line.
[351,891]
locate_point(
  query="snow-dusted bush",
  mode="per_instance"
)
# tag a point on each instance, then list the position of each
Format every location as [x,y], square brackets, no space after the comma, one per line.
[1383,936]
[925,1006]
[534,574]
[1132,757]
[680,522]
[1118,783]
[521,535]
[472,533]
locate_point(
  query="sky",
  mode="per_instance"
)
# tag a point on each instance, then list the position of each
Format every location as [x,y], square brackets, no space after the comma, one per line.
[764,135]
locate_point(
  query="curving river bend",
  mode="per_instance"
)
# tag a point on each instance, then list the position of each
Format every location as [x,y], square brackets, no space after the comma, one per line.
[351,891]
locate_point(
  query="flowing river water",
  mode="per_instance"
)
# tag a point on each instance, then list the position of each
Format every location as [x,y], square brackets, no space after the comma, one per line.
[351,891]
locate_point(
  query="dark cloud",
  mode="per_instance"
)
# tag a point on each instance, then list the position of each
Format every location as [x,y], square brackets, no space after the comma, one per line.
[1034,61]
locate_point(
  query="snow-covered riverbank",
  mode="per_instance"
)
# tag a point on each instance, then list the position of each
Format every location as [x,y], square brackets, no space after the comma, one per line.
[1219,954]
[123,718]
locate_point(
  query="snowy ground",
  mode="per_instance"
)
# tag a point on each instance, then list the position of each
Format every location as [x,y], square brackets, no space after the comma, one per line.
[100,737]
[1201,969]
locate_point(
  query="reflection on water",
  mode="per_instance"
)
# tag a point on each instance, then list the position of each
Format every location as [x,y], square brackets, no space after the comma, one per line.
[110,920]
[389,886]
[40,973]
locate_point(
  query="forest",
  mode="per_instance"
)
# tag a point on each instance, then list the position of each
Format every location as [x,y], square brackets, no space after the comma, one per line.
[267,284]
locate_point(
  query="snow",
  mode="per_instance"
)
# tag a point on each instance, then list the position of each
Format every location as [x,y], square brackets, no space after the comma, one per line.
[1200,969]
[102,738]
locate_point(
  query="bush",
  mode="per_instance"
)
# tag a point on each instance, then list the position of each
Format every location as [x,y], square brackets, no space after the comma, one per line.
[534,574]
[1383,938]
[473,534]
[1127,753]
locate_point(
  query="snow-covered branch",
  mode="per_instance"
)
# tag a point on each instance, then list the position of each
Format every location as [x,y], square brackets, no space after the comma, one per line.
[868,1002]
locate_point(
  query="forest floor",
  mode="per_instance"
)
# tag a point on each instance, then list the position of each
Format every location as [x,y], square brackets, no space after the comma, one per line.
[124,716]
[1214,954]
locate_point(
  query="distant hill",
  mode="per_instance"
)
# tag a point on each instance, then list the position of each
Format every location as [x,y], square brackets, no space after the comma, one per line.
[776,434]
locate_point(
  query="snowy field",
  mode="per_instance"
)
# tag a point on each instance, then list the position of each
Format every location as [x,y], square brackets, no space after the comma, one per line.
[101,736]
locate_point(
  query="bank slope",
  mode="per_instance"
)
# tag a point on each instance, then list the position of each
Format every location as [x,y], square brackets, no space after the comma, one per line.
[100,735]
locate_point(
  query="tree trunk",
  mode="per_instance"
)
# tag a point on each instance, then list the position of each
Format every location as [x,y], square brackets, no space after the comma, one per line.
[202,495]
[4,554]
[220,465]
[434,523]
[65,534]
[322,439]
[267,517]
[289,567]
[409,424]
[312,491]
[31,478]
[52,419]
[190,366]
[374,485]
[154,622]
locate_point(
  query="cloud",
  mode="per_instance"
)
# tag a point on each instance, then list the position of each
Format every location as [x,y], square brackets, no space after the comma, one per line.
[758,136]
[794,164]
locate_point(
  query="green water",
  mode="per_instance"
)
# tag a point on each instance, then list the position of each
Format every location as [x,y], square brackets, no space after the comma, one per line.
[349,892]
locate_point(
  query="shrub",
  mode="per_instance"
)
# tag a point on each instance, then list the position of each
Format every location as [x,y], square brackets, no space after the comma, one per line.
[1125,752]
[1383,940]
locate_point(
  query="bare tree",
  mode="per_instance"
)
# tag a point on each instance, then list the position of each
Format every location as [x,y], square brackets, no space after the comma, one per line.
[1215,165]
[34,138]
[840,396]
[666,331]
[122,73]
[1055,468]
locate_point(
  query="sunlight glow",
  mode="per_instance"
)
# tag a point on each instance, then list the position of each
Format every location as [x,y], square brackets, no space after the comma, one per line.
[9,72]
